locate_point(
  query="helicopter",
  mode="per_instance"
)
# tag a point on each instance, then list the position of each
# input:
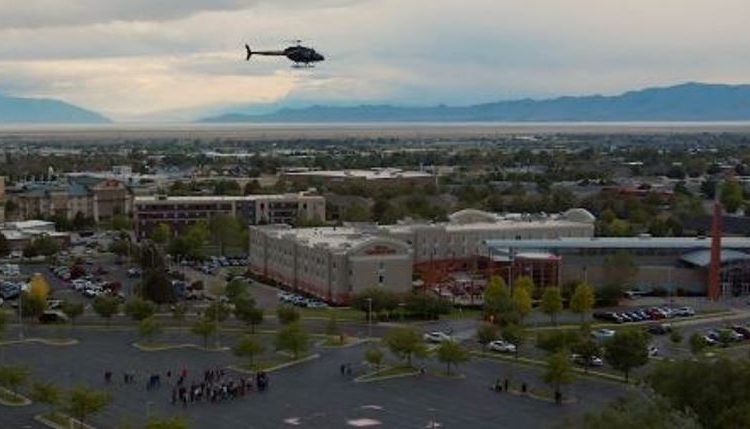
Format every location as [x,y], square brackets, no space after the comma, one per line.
[302,56]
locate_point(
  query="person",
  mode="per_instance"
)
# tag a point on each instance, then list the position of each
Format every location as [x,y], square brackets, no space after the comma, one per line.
[342,368]
[108,376]
[505,384]
[497,387]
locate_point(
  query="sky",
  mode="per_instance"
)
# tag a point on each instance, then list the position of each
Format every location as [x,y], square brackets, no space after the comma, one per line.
[136,60]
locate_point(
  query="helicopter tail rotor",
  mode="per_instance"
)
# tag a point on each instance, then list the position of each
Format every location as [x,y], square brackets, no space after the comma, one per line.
[249,52]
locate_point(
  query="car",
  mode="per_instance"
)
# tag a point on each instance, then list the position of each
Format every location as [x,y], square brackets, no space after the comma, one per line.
[653,350]
[502,346]
[592,361]
[731,334]
[656,314]
[709,340]
[53,316]
[635,316]
[742,330]
[437,337]
[54,304]
[658,329]
[684,312]
[625,317]
[602,334]
[316,304]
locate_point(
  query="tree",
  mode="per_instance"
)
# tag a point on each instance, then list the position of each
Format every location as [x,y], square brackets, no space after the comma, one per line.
[486,333]
[161,234]
[84,402]
[139,309]
[73,310]
[236,289]
[120,222]
[405,342]
[4,246]
[287,314]
[106,307]
[225,230]
[521,301]
[675,336]
[587,348]
[246,311]
[11,377]
[628,349]
[697,343]
[332,327]
[426,306]
[204,328]
[452,353]
[47,393]
[44,245]
[556,340]
[525,282]
[621,270]
[32,305]
[582,300]
[293,338]
[731,195]
[174,422]
[377,299]
[515,335]
[559,372]
[149,328]
[498,306]
[3,323]
[551,302]
[374,356]
[248,347]
[640,411]
[39,287]
[217,311]
[157,287]
[179,311]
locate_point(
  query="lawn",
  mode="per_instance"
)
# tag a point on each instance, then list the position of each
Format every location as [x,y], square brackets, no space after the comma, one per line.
[341,313]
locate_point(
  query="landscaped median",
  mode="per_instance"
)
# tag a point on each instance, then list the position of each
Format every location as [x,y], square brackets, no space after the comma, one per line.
[543,364]
[387,373]
[159,347]
[701,317]
[280,361]
[60,342]
[11,399]
[335,342]
[58,420]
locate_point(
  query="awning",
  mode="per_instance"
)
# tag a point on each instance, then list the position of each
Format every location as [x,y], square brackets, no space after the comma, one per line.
[702,258]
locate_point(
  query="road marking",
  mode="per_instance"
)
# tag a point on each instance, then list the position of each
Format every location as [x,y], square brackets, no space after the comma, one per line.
[363,423]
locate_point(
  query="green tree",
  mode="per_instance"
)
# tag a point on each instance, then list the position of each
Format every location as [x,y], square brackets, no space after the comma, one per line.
[204,328]
[587,348]
[639,411]
[84,402]
[120,222]
[374,356]
[174,422]
[179,310]
[521,302]
[149,328]
[379,300]
[731,195]
[225,231]
[32,305]
[551,302]
[452,353]
[45,245]
[525,282]
[557,340]
[11,377]
[157,287]
[246,311]
[559,372]
[106,307]
[426,306]
[248,347]
[675,336]
[73,310]
[161,234]
[515,334]
[139,309]
[486,333]
[697,343]
[237,289]
[217,311]
[628,349]
[405,342]
[4,246]
[3,323]
[583,300]
[287,314]
[498,305]
[293,338]
[47,393]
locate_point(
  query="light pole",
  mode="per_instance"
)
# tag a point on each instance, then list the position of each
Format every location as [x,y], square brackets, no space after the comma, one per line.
[369,318]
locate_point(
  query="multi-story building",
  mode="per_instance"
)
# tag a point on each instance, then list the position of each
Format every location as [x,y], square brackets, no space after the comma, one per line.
[330,263]
[98,199]
[181,212]
[374,176]
[280,253]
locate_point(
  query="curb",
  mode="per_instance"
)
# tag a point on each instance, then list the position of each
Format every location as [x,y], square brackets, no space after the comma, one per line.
[541,364]
[24,400]
[47,422]
[277,367]
[44,341]
[144,348]
[356,342]
[361,379]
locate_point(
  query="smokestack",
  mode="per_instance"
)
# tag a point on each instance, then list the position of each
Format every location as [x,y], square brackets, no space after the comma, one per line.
[714,271]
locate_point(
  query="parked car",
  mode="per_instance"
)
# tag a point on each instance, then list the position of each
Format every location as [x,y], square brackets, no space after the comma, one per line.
[502,346]
[437,337]
[592,361]
[653,350]
[602,334]
[659,329]
[608,316]
[53,316]
[742,330]
[684,312]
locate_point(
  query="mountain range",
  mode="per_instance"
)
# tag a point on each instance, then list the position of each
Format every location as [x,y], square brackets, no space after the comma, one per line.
[685,102]
[14,110]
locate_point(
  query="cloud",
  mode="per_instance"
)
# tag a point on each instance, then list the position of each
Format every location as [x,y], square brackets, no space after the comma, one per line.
[127,58]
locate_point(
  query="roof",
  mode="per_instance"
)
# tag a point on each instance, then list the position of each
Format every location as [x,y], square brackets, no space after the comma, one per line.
[685,243]
[372,174]
[219,198]
[702,258]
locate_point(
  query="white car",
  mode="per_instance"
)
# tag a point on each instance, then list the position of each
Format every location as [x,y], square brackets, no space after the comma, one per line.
[437,337]
[684,312]
[653,351]
[603,334]
[593,360]
[502,346]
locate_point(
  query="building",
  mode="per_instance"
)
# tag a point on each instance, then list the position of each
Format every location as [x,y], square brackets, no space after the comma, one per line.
[94,198]
[279,253]
[671,264]
[19,234]
[373,176]
[181,212]
[330,263]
